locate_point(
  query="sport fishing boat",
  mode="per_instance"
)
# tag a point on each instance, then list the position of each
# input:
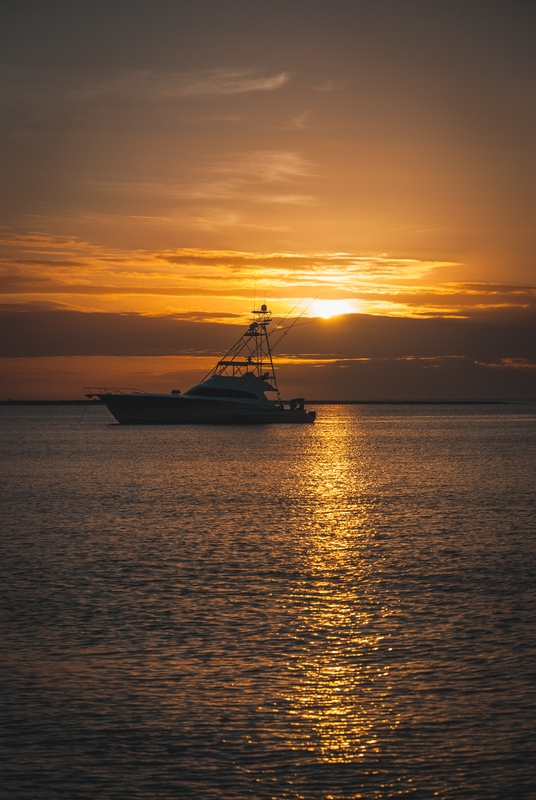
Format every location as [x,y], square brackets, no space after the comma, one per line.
[232,393]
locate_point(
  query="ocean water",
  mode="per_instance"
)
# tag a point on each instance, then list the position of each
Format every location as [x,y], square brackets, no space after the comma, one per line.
[341,610]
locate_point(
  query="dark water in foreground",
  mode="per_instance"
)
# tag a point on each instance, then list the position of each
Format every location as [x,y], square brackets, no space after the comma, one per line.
[335,611]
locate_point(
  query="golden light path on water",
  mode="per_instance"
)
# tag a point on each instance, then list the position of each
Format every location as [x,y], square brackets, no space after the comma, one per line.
[340,687]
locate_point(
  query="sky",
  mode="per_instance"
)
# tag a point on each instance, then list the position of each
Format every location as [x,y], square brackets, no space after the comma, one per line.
[370,163]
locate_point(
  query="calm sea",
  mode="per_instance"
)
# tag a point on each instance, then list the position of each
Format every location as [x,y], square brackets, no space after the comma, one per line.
[340,610]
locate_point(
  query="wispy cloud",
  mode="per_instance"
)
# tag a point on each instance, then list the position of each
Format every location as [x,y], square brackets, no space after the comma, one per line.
[258,177]
[267,166]
[225,82]
[261,178]
[301,120]
[326,86]
[53,88]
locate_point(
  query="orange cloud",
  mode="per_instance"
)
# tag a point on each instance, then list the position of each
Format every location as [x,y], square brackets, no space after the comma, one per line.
[218,282]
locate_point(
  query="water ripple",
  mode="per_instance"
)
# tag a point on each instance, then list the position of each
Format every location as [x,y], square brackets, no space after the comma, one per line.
[339,611]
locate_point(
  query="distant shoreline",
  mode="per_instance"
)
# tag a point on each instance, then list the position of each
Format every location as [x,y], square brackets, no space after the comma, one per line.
[415,402]
[308,402]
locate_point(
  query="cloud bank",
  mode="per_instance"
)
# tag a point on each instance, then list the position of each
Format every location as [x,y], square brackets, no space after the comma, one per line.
[49,352]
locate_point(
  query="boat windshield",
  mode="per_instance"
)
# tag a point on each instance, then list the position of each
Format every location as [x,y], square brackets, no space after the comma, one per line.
[206,391]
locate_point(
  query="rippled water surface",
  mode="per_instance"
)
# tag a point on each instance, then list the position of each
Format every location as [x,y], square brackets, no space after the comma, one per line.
[339,610]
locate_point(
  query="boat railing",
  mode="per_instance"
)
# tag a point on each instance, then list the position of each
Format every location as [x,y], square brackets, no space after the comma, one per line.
[97,391]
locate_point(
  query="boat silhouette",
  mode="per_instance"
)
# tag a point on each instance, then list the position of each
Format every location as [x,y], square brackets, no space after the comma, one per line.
[234,391]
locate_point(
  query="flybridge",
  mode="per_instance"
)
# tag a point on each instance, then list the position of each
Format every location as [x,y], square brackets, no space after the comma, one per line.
[252,354]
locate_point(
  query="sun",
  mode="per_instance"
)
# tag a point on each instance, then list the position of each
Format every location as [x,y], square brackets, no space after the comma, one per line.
[332,308]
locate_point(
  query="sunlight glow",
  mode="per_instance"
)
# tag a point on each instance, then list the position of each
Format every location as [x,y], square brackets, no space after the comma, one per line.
[332,308]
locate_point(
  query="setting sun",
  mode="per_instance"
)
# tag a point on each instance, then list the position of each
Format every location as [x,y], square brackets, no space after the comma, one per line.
[332,308]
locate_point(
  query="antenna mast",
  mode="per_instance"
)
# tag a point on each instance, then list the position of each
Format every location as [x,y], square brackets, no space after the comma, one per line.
[252,353]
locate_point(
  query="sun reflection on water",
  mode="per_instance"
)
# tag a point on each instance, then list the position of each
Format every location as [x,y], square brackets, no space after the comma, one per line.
[340,683]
